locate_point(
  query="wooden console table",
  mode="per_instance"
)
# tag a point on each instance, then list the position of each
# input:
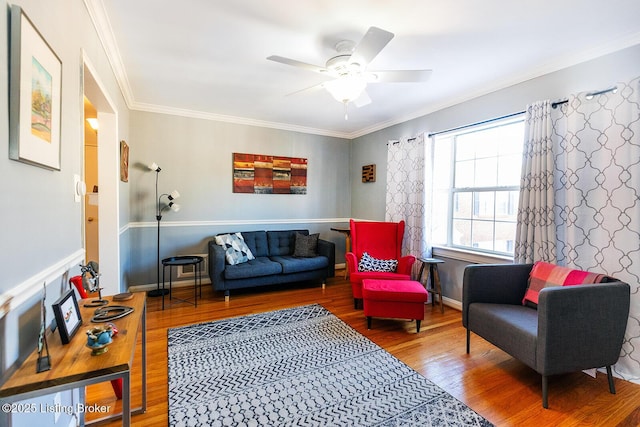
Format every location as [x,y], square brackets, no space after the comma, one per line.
[73,366]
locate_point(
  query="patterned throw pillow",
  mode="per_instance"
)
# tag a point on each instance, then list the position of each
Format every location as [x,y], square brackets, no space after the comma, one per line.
[545,275]
[369,263]
[236,250]
[306,246]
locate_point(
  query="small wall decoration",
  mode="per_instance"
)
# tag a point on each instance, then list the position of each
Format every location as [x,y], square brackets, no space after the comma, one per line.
[263,174]
[124,161]
[369,173]
[67,316]
[34,95]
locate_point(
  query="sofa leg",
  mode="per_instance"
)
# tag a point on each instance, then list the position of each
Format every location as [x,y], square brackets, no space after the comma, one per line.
[612,387]
[468,339]
[324,285]
[227,296]
[368,322]
[545,392]
[418,326]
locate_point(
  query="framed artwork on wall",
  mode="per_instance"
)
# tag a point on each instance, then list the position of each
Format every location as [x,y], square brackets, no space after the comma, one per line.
[124,161]
[35,87]
[67,314]
[369,173]
[264,174]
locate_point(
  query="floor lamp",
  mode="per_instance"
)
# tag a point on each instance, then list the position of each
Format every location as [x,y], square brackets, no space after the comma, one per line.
[160,208]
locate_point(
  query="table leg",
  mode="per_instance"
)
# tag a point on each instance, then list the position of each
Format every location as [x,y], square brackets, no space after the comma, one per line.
[126,399]
[347,246]
[144,358]
[435,282]
[196,269]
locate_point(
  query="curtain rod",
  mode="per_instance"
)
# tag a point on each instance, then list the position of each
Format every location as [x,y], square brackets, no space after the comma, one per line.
[588,96]
[397,141]
[476,124]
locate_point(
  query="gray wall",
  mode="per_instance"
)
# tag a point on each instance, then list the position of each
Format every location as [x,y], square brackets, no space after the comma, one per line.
[368,200]
[42,234]
[196,159]
[42,225]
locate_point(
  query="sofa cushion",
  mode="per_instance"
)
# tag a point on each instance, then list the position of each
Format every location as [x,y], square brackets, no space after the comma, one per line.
[236,250]
[283,242]
[291,264]
[306,246]
[257,242]
[369,263]
[513,328]
[544,275]
[261,266]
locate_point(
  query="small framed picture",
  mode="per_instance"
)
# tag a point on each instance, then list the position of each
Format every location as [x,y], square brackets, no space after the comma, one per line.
[68,317]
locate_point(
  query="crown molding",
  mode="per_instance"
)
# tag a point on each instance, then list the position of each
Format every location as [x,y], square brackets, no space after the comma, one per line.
[194,114]
[548,68]
[103,28]
[100,20]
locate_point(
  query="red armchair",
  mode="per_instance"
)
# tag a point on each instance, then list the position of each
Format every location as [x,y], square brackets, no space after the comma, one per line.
[381,240]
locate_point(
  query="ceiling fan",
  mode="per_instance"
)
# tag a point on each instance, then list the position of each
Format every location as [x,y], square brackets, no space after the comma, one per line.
[348,69]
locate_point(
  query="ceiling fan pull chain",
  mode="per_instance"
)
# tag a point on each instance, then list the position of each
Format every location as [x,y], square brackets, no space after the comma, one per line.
[346,115]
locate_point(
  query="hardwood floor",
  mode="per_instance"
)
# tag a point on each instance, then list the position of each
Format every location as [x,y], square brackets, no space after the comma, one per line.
[501,389]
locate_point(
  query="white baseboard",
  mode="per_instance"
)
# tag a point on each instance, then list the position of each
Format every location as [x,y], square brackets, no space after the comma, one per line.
[175,284]
[452,303]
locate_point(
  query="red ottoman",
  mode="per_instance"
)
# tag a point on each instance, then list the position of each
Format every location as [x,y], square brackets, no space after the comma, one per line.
[403,299]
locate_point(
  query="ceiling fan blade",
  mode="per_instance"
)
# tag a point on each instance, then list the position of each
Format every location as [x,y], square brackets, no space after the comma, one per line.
[400,76]
[307,89]
[299,64]
[362,100]
[370,46]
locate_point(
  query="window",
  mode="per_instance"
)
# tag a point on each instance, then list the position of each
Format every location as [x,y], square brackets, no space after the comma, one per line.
[476,178]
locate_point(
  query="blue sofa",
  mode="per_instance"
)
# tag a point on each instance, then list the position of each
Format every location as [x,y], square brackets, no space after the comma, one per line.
[274,262]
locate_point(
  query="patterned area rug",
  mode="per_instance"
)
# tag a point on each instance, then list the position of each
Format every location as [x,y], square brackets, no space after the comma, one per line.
[298,367]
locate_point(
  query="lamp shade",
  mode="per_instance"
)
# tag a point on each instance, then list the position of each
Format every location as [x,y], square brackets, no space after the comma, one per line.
[346,89]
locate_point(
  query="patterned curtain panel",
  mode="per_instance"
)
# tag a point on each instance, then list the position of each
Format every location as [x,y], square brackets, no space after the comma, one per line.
[535,233]
[597,198]
[409,193]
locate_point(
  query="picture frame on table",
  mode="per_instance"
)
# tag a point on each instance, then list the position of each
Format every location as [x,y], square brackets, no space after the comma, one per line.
[67,314]
[35,101]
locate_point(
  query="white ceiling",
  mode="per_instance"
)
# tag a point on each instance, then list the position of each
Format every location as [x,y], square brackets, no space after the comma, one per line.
[207,58]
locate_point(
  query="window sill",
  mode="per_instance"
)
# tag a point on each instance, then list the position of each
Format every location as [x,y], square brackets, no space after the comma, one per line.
[470,256]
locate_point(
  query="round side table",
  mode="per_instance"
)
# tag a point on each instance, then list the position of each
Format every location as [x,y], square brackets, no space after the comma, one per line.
[176,261]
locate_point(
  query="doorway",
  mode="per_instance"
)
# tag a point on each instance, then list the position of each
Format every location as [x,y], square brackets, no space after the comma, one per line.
[106,198]
[91,213]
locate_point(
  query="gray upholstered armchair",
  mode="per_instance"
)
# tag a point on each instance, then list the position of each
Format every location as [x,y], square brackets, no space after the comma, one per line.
[573,328]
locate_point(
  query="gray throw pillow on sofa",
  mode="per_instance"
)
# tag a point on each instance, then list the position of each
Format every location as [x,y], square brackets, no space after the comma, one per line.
[236,250]
[306,246]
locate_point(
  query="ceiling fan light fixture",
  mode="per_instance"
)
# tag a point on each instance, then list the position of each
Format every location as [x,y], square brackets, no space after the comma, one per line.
[346,89]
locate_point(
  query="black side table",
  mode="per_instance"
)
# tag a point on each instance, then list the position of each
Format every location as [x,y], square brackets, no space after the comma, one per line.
[435,288]
[175,261]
